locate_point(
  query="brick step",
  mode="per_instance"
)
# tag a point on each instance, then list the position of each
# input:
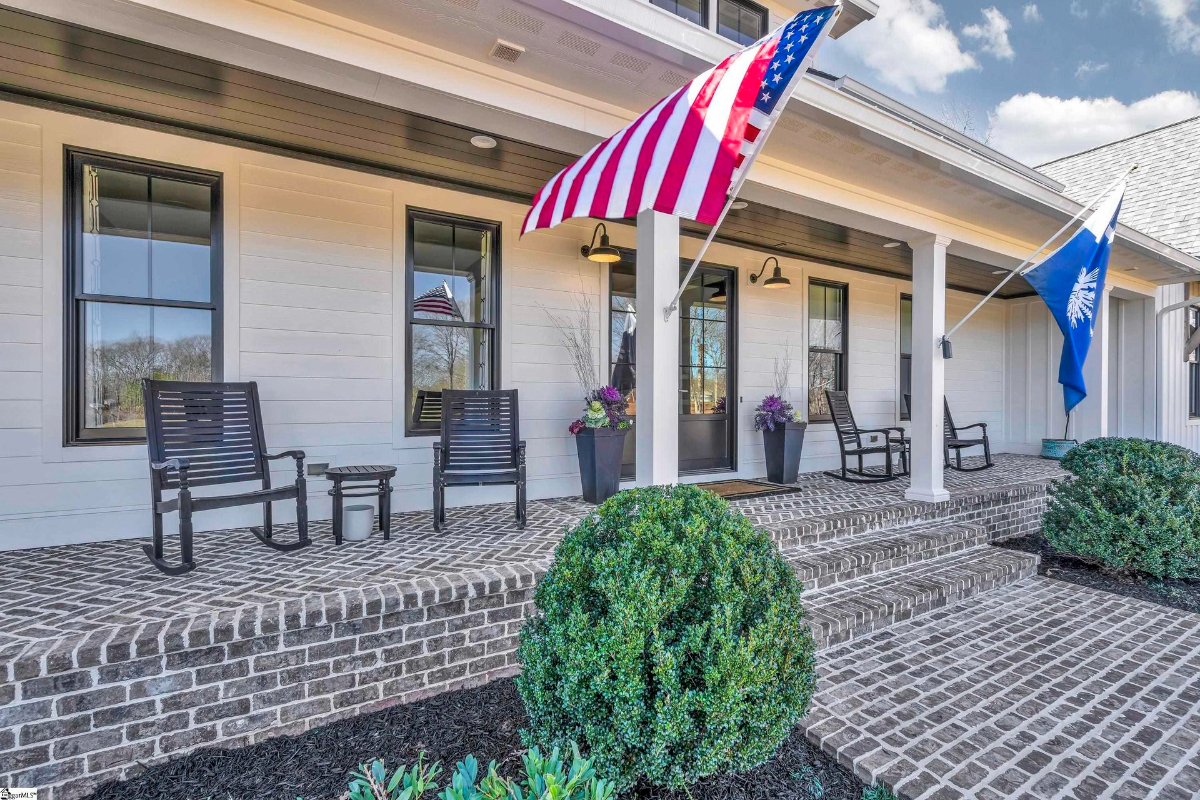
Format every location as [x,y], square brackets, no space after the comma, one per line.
[846,558]
[857,607]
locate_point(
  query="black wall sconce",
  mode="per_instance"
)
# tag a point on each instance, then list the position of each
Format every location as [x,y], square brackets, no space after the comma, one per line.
[776,281]
[605,253]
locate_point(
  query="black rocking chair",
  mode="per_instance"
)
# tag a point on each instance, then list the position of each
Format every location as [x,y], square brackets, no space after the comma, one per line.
[954,440]
[851,444]
[480,444]
[204,434]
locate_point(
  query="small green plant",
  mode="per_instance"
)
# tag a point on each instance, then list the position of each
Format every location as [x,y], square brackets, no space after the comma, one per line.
[669,640]
[546,778]
[1132,505]
[809,782]
[878,792]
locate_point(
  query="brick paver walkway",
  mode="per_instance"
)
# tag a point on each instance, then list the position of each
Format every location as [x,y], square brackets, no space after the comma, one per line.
[1042,689]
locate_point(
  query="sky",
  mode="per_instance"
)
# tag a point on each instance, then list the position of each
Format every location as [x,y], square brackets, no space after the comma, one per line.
[1036,80]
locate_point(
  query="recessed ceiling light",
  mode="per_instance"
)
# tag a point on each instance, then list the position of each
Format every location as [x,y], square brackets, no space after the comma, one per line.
[1131,269]
[890,245]
[483,142]
[738,205]
[999,271]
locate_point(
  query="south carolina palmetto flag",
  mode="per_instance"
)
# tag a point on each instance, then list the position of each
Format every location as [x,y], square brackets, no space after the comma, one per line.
[685,154]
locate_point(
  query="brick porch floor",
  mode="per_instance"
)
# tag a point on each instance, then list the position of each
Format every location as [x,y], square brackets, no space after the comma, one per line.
[107,663]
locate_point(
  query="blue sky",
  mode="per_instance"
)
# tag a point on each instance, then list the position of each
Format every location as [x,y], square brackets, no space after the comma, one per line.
[1040,79]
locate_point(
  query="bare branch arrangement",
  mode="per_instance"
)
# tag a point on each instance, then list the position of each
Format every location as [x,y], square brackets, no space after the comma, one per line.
[576,332]
[783,369]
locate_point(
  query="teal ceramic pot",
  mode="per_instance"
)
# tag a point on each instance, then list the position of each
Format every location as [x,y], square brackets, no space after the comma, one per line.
[1055,449]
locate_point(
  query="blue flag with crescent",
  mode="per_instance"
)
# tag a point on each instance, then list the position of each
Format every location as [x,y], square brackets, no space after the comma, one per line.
[1071,280]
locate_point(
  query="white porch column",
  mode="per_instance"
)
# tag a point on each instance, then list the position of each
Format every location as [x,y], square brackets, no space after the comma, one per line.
[1091,415]
[657,427]
[928,368]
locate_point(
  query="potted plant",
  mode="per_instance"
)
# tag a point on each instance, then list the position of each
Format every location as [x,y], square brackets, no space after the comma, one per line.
[1055,449]
[600,441]
[783,438]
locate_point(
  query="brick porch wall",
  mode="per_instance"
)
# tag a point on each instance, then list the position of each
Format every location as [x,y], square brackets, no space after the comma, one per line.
[86,709]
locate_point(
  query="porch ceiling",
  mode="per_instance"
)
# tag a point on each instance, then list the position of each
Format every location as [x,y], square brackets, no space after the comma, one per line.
[50,61]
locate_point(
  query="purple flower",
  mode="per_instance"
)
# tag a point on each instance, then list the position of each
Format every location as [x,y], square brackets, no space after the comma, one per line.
[610,394]
[615,404]
[772,411]
[576,427]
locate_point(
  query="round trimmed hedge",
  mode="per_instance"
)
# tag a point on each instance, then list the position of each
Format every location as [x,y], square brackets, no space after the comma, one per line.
[1131,505]
[669,641]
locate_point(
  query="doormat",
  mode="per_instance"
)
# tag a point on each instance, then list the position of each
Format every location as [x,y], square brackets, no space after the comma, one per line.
[743,490]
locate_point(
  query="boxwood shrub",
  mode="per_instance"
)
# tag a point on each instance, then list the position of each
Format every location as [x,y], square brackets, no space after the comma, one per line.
[1130,505]
[669,641]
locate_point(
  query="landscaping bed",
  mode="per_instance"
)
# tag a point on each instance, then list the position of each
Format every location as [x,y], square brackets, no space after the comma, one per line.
[485,721]
[1175,593]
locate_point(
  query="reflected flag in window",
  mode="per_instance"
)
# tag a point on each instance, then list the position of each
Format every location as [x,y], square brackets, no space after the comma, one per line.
[437,300]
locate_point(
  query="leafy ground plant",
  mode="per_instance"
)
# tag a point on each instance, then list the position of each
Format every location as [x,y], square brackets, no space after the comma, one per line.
[878,792]
[546,777]
[669,640]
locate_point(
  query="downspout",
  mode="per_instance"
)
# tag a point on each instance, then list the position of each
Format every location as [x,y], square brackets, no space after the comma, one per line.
[1159,319]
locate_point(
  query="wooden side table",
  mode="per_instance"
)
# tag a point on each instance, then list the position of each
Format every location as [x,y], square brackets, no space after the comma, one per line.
[357,477]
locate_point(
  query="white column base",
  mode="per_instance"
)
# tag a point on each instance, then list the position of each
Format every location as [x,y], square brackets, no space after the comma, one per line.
[926,497]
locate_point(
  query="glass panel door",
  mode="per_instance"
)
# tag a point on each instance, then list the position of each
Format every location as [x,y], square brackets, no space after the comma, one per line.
[707,426]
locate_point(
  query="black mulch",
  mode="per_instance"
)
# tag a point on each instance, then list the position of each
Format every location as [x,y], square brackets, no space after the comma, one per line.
[1181,594]
[484,721]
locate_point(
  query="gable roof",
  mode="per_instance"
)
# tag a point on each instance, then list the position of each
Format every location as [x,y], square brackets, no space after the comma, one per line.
[1163,198]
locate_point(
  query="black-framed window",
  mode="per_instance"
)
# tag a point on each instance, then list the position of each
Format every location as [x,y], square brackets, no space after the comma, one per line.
[905,354]
[453,312]
[692,10]
[1193,364]
[828,325]
[742,21]
[142,288]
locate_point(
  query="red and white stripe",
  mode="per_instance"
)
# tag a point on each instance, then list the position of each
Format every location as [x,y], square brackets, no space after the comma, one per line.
[678,158]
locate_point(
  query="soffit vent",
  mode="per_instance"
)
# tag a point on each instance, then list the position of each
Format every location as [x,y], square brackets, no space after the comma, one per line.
[506,51]
[673,78]
[878,158]
[521,20]
[581,44]
[789,122]
[823,136]
[623,59]
[469,5]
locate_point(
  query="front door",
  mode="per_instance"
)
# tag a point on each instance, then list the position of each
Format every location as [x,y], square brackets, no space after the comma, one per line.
[707,418]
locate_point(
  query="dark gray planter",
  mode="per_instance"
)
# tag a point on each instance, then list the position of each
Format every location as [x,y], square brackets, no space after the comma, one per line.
[783,446]
[600,461]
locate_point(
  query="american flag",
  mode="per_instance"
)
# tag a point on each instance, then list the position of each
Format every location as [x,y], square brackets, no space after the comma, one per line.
[437,300]
[684,155]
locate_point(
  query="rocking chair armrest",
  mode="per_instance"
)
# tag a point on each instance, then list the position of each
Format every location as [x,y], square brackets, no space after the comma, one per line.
[296,454]
[177,464]
[180,465]
[973,425]
[877,430]
[521,445]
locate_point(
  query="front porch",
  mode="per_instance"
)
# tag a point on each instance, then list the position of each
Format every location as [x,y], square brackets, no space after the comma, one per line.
[109,663]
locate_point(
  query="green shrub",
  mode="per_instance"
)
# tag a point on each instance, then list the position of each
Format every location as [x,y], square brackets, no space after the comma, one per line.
[1131,505]
[545,778]
[669,640]
[878,792]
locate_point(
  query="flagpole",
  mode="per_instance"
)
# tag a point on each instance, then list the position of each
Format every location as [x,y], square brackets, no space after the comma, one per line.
[1025,265]
[749,162]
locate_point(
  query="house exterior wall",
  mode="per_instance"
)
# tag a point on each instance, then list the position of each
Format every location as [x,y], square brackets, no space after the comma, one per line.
[1175,424]
[314,311]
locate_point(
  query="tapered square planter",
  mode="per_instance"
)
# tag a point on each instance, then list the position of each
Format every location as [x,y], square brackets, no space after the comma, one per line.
[783,446]
[600,461]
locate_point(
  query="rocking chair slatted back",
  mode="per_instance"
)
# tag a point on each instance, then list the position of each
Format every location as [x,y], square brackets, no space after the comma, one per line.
[215,426]
[843,419]
[480,431]
[948,429]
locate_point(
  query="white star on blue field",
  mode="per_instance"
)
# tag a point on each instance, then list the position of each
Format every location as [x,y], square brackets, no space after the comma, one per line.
[1038,80]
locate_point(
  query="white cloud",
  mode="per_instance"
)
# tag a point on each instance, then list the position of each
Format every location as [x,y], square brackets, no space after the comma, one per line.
[1031,13]
[1086,69]
[1035,129]
[1078,10]
[910,46]
[993,32]
[1179,17]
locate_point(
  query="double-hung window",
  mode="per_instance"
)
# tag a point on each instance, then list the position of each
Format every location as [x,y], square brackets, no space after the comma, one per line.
[742,21]
[143,288]
[453,291]
[827,328]
[1193,364]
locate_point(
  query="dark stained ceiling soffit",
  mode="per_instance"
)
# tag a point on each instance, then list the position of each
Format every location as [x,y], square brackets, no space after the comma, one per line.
[86,71]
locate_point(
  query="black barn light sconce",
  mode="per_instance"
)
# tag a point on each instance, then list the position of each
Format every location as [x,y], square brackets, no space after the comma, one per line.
[776,281]
[605,253]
